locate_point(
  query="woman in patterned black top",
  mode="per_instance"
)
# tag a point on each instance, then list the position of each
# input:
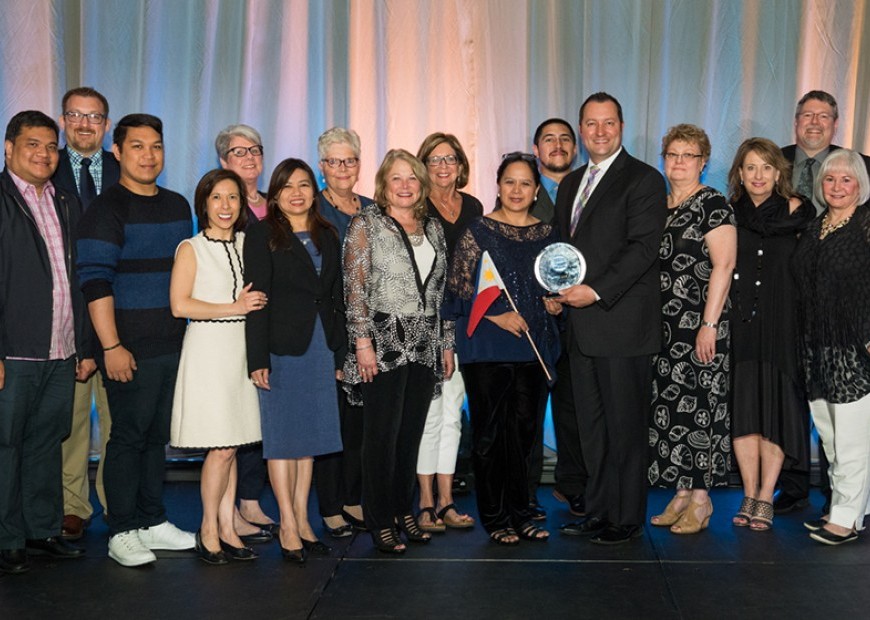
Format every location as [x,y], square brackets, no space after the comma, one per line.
[690,434]
[832,268]
[395,264]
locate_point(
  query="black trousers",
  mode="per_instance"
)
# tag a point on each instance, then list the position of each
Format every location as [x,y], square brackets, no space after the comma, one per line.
[136,451]
[571,475]
[35,417]
[251,471]
[338,476]
[612,396]
[395,405]
[504,399]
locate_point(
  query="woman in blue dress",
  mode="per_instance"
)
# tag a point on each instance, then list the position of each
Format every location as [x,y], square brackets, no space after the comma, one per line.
[296,343]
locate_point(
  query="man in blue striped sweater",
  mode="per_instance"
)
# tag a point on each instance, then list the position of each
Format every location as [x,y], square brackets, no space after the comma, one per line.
[127,241]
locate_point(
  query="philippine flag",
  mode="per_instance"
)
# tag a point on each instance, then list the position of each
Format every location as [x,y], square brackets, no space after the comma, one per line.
[489,287]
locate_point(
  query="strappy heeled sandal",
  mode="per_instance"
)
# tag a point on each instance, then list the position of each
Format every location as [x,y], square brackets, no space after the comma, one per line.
[689,523]
[408,525]
[530,531]
[744,514]
[670,515]
[387,541]
[506,536]
[762,517]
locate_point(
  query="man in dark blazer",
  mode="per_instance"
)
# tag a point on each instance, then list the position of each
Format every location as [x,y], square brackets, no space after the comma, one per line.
[613,210]
[45,341]
[84,169]
[815,123]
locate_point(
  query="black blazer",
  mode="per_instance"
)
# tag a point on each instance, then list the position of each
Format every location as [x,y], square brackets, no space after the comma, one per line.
[619,234]
[297,295]
[543,208]
[63,177]
[790,152]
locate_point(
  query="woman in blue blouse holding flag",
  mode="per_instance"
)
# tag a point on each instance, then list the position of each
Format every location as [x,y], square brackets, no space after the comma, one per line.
[502,324]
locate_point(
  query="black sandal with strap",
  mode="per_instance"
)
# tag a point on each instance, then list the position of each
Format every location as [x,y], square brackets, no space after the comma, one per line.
[503,537]
[408,525]
[532,532]
[388,541]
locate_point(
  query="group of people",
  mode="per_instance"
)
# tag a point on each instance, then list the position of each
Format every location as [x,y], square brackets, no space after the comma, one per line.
[335,337]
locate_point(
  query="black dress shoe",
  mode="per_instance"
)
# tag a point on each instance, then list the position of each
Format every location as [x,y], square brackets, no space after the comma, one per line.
[296,556]
[576,503]
[13,561]
[536,511]
[829,538]
[814,525]
[263,536]
[617,534]
[357,524]
[272,528]
[315,546]
[586,527]
[215,558]
[784,503]
[342,531]
[238,553]
[55,546]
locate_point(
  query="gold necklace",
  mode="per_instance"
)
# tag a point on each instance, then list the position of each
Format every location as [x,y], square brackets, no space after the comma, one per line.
[828,228]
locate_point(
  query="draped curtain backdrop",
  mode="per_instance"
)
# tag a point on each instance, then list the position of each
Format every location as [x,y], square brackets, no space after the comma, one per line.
[396,70]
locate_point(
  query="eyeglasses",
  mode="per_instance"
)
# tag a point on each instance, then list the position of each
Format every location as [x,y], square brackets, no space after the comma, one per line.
[681,156]
[242,151]
[436,160]
[95,118]
[335,162]
[823,117]
[520,155]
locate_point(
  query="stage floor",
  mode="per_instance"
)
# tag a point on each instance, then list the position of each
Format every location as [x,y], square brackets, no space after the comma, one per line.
[724,572]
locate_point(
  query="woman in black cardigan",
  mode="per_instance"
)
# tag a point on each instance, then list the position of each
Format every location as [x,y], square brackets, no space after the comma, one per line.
[296,343]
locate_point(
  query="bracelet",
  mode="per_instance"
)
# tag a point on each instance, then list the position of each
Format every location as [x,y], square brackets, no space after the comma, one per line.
[363,348]
[114,346]
[709,324]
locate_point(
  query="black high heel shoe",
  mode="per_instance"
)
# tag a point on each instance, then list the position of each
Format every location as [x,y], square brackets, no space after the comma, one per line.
[342,531]
[388,541]
[408,525]
[316,546]
[238,553]
[217,558]
[296,556]
[357,524]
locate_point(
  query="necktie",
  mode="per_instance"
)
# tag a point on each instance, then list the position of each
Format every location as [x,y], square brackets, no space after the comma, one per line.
[805,182]
[584,196]
[87,188]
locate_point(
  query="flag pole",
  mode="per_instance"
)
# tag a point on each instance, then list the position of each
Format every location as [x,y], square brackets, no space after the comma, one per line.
[529,336]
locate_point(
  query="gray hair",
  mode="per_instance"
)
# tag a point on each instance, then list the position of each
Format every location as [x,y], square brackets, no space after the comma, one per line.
[222,142]
[850,162]
[338,135]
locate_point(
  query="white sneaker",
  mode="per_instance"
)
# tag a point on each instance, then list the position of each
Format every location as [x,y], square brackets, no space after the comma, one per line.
[166,536]
[127,550]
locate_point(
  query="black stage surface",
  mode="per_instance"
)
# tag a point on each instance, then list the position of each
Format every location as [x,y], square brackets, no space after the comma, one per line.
[724,572]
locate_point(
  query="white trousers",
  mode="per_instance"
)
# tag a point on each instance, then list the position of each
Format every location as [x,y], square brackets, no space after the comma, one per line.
[845,433]
[440,443]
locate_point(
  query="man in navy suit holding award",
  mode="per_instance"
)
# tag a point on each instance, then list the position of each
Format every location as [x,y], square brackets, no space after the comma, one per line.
[84,169]
[613,210]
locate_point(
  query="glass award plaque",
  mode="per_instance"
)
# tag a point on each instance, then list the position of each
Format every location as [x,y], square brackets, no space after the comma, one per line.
[558,266]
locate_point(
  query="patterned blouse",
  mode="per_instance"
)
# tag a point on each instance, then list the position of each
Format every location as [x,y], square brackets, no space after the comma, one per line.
[386,299]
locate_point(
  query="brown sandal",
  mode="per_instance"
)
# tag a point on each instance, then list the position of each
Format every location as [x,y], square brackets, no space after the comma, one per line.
[670,515]
[460,521]
[434,524]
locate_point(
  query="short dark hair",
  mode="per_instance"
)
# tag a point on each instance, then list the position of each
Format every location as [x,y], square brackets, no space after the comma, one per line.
[85,91]
[511,158]
[204,189]
[551,121]
[602,97]
[29,118]
[818,95]
[135,120]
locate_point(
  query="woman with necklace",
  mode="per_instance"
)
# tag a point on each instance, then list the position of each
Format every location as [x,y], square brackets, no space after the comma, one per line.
[769,419]
[690,435]
[240,149]
[395,264]
[447,166]
[215,406]
[505,382]
[338,476]
[296,344]
[832,268]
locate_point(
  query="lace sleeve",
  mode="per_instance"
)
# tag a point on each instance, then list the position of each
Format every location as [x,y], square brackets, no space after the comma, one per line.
[463,267]
[357,273]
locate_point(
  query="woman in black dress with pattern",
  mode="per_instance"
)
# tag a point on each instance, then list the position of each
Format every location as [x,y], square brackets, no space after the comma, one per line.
[768,400]
[689,432]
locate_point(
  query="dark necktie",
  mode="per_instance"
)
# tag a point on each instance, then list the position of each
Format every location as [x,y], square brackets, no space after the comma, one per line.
[87,188]
[805,182]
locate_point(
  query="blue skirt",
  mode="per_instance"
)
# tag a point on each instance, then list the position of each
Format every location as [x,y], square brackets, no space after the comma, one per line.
[299,415]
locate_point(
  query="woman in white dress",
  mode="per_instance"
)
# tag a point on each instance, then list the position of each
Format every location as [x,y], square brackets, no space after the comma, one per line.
[215,405]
